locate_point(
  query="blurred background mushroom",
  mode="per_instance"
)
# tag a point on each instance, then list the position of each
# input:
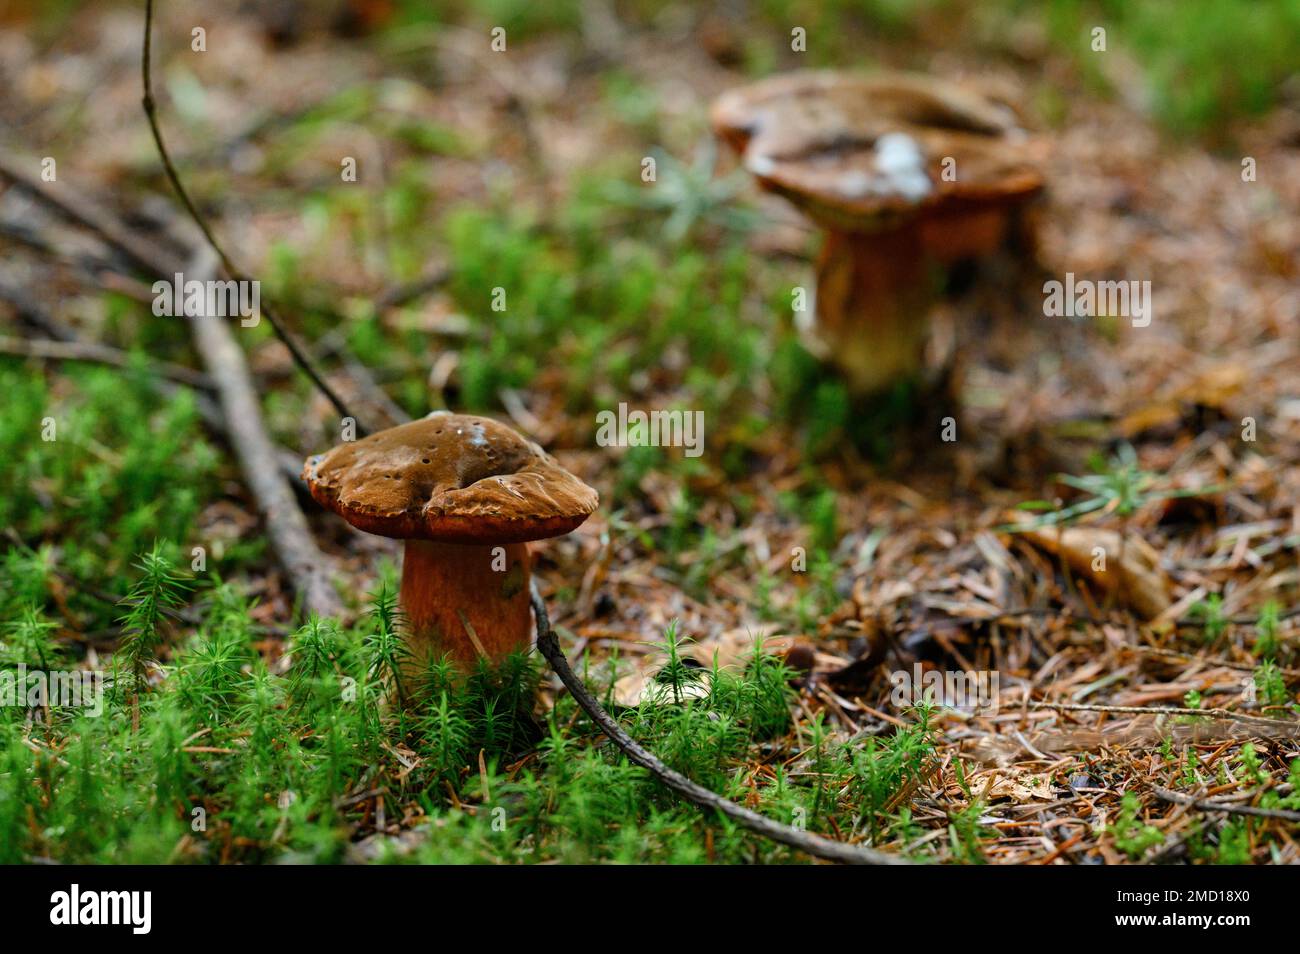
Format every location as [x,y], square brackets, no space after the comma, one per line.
[906,174]
[466,494]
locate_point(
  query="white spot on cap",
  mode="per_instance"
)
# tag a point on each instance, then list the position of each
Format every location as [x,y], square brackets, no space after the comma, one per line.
[902,167]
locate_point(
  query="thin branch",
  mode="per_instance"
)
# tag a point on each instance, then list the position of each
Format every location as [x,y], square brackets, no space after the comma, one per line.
[396,296]
[1175,655]
[370,390]
[290,464]
[74,207]
[49,350]
[1206,805]
[697,794]
[151,113]
[1290,726]
[290,537]
[1068,614]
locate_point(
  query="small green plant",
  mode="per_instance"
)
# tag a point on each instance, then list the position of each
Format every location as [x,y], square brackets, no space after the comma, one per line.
[28,641]
[1267,645]
[1191,764]
[1270,685]
[1133,836]
[881,767]
[1118,486]
[688,194]
[966,834]
[1234,844]
[1210,611]
[385,647]
[315,651]
[677,675]
[1251,766]
[152,599]
[1291,800]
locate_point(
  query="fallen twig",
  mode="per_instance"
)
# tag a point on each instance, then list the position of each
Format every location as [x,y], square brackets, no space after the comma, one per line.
[51,350]
[370,390]
[1173,654]
[1165,711]
[1206,805]
[285,525]
[1195,622]
[75,207]
[697,794]
[398,295]
[151,113]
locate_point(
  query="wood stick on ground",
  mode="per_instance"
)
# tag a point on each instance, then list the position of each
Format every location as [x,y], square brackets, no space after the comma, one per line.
[369,389]
[1207,805]
[1176,656]
[78,208]
[402,294]
[1069,615]
[29,309]
[49,350]
[1165,711]
[697,794]
[309,569]
[290,463]
[151,113]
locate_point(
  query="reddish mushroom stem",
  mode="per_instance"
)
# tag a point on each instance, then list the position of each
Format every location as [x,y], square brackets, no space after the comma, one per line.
[874,291]
[465,601]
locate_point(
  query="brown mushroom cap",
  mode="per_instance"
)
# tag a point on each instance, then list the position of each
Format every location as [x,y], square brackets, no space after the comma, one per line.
[452,478]
[862,153]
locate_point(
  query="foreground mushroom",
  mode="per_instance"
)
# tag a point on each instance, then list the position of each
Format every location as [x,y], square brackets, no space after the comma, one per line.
[466,494]
[906,174]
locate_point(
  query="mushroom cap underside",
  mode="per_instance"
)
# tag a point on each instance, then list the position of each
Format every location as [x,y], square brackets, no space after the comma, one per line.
[452,478]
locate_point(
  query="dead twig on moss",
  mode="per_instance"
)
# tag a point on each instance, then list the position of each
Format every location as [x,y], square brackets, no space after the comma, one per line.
[1176,656]
[808,842]
[395,296]
[291,539]
[1067,614]
[151,113]
[367,387]
[1165,711]
[64,338]
[91,352]
[84,211]
[1208,805]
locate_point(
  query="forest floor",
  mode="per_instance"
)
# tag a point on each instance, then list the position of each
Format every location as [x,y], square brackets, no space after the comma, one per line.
[1145,710]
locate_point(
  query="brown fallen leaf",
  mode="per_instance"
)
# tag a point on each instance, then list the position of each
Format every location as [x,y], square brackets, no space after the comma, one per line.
[1213,387]
[1021,789]
[1126,566]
